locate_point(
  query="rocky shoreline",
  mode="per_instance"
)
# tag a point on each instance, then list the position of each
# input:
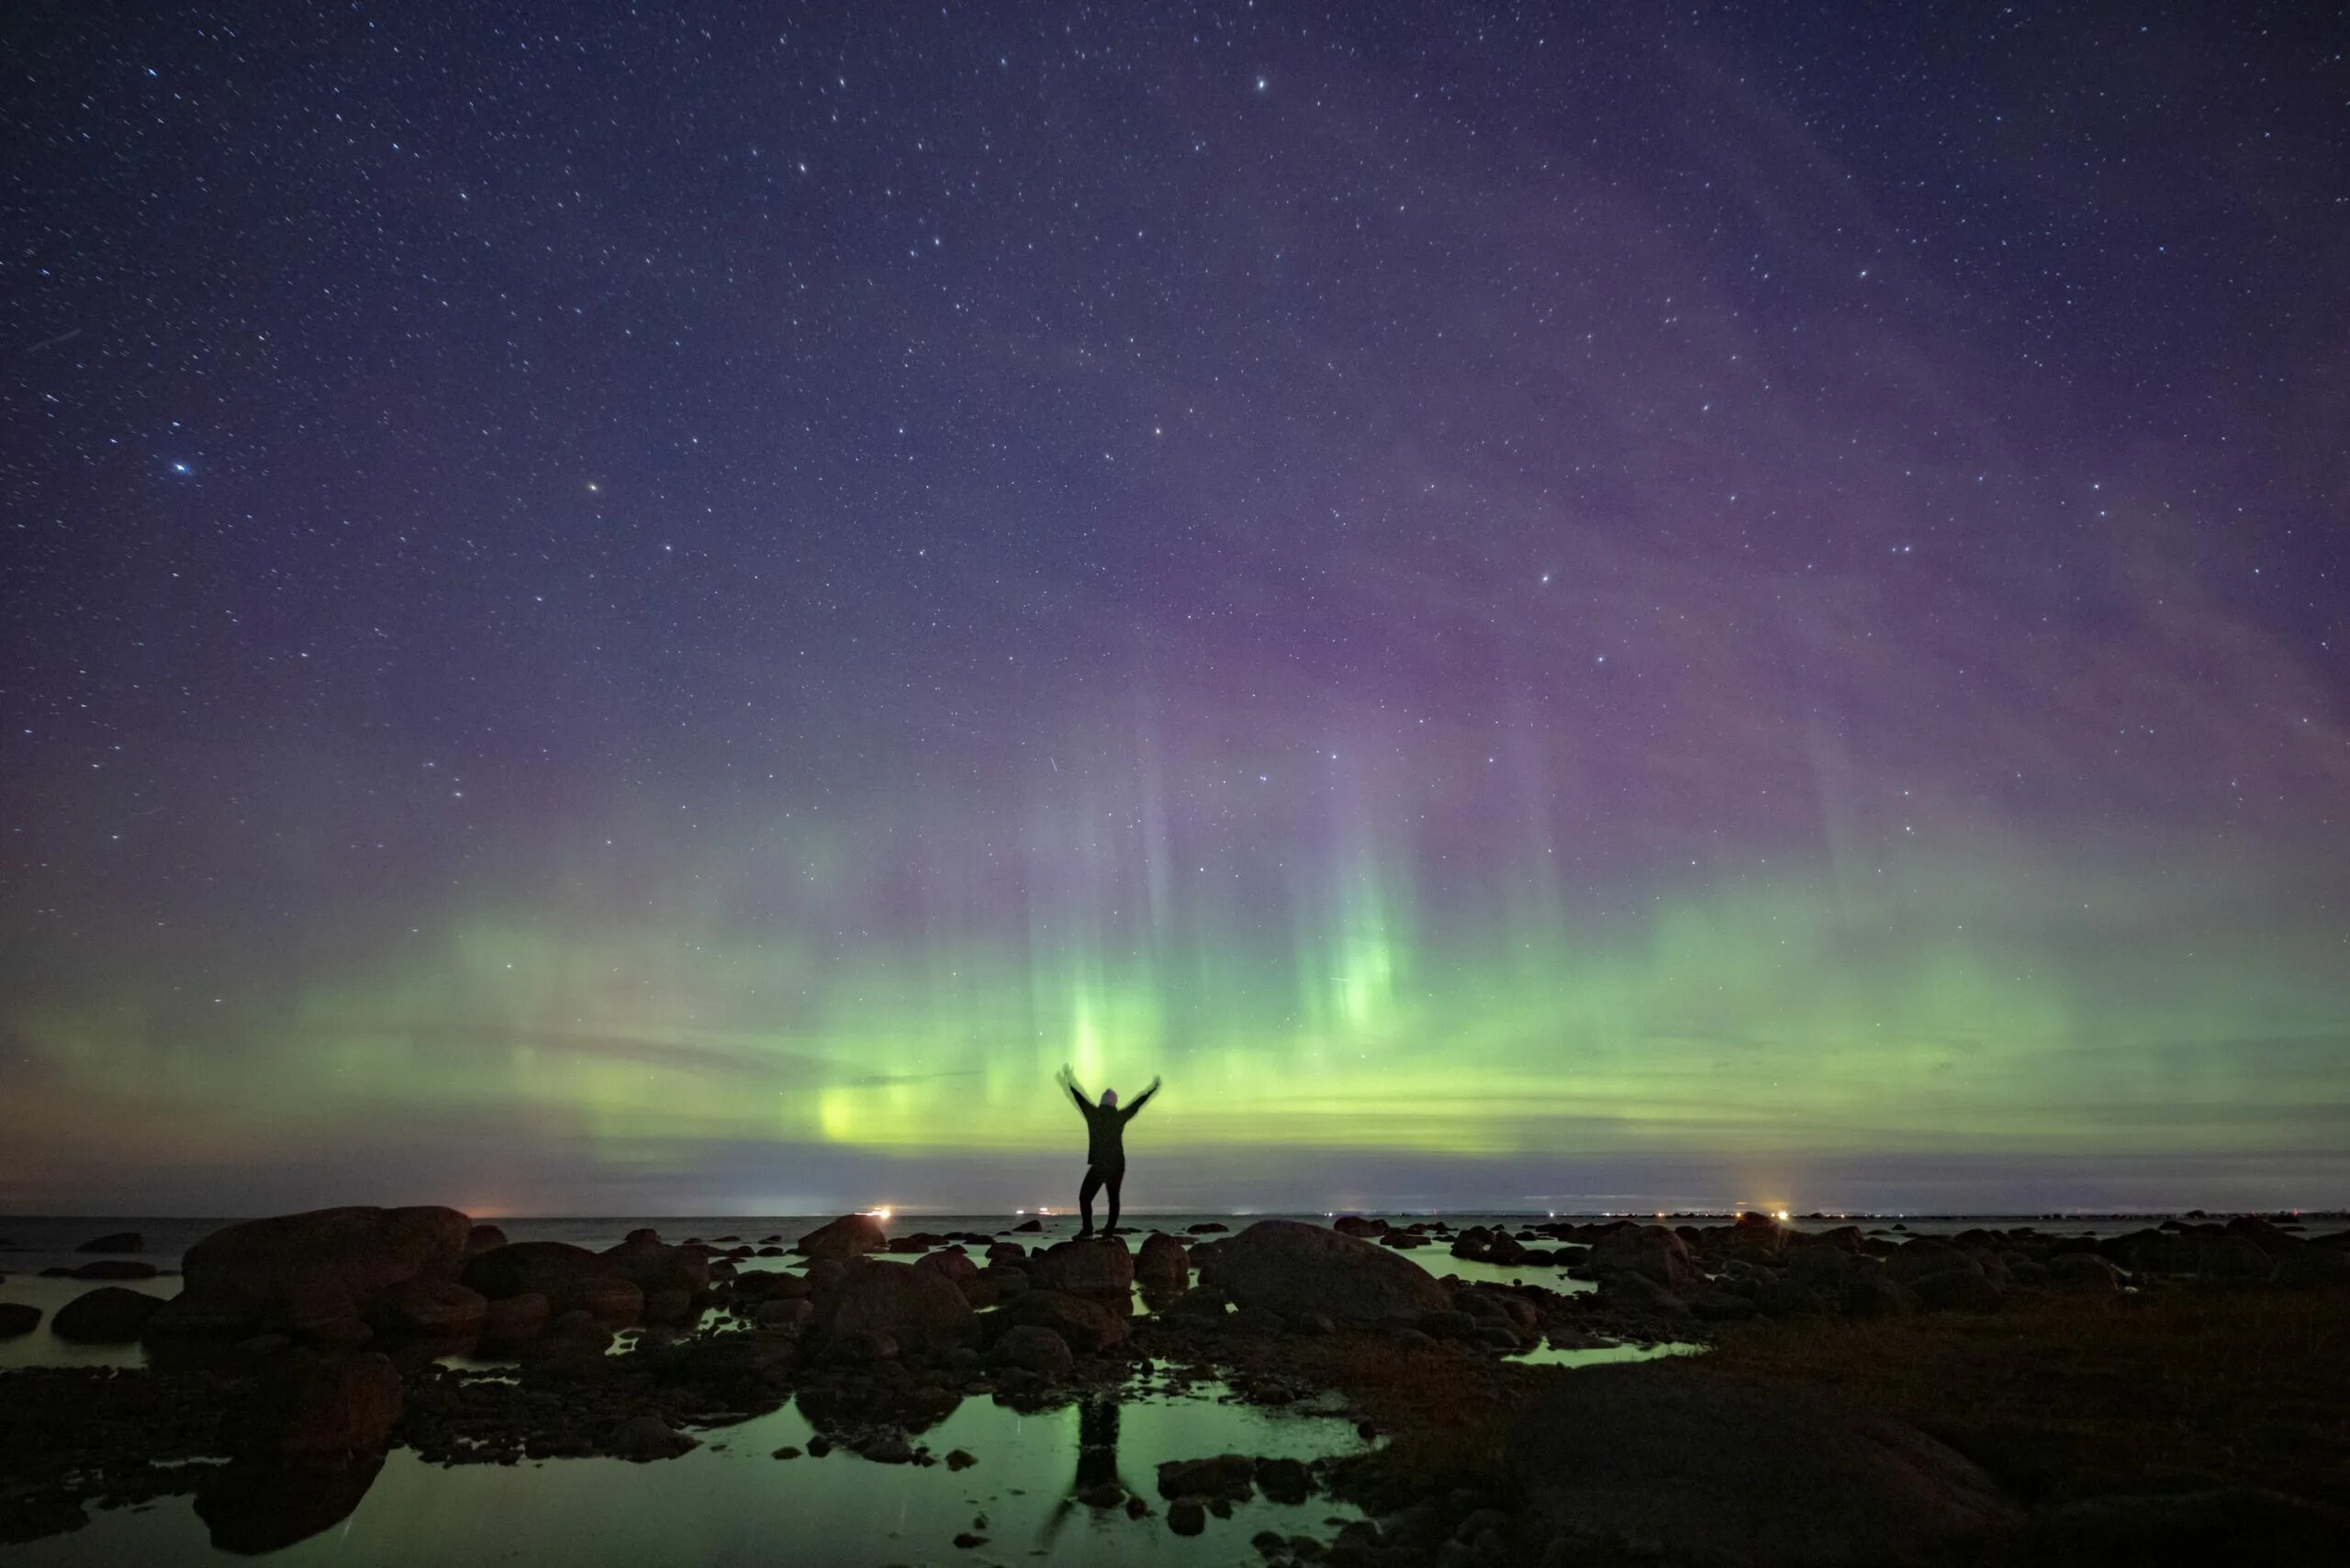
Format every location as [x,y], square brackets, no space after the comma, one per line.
[302,1348]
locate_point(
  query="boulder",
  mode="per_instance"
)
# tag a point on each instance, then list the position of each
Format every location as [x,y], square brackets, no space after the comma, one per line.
[1088,1325]
[1358,1225]
[325,1409]
[199,1315]
[1163,1267]
[1700,1467]
[955,1268]
[309,1268]
[914,1306]
[654,1268]
[851,1236]
[2083,1273]
[1949,1289]
[608,1298]
[116,1269]
[1229,1476]
[483,1238]
[1096,1266]
[523,1267]
[1034,1348]
[643,1439]
[1651,1251]
[119,1241]
[438,1309]
[824,1275]
[111,1314]
[515,1317]
[1295,1268]
[17,1319]
[1913,1261]
[1870,1295]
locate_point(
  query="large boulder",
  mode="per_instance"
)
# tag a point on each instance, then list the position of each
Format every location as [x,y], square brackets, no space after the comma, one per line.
[571,1278]
[111,1314]
[326,1264]
[1087,1323]
[430,1308]
[1914,1260]
[17,1319]
[515,1317]
[955,1267]
[1699,1467]
[483,1237]
[851,1236]
[914,1306]
[1651,1251]
[117,1268]
[255,1507]
[1163,1267]
[1288,1267]
[655,1267]
[1096,1266]
[1037,1349]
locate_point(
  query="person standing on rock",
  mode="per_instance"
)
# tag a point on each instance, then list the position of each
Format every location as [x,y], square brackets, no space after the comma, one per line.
[1105,1146]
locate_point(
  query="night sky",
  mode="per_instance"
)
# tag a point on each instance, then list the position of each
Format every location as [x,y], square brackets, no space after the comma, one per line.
[664,609]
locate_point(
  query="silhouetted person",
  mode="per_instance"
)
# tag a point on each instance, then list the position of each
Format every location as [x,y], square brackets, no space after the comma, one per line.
[1105,1146]
[1098,1482]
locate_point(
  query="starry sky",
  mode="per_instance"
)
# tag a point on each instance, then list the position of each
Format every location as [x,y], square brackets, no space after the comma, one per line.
[661,609]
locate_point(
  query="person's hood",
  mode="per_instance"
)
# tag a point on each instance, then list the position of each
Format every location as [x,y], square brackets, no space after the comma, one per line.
[1109,1099]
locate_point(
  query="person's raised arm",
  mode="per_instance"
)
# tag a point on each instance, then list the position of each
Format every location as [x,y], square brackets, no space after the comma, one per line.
[1142,1099]
[1076,1092]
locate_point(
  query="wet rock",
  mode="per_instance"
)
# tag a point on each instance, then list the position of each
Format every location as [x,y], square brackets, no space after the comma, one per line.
[1086,1326]
[1207,1227]
[1028,1226]
[824,1275]
[787,1451]
[606,1297]
[1700,1467]
[1284,1480]
[116,1269]
[519,1268]
[1037,1350]
[1187,1516]
[16,1319]
[1096,1266]
[515,1317]
[1721,1306]
[110,1315]
[483,1238]
[432,1308]
[307,1268]
[851,1236]
[643,1439]
[118,1241]
[1230,1476]
[1291,1267]
[960,1458]
[1163,1267]
[914,1306]
[790,1313]
[1637,1295]
[1358,1225]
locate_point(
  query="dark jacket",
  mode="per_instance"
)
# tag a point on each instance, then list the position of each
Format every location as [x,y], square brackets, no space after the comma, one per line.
[1105,1128]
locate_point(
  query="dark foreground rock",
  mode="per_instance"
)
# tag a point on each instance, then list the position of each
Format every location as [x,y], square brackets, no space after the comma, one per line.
[1680,1464]
[291,1272]
[912,1307]
[16,1319]
[111,1314]
[1293,1269]
[851,1236]
[1096,1266]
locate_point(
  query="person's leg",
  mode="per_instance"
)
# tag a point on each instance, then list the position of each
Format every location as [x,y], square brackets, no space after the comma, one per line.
[1092,1185]
[1118,1178]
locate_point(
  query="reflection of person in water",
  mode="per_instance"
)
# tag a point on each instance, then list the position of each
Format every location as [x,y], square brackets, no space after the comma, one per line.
[1105,1146]
[1098,1482]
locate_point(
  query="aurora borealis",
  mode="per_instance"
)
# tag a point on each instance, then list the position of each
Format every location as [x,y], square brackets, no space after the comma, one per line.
[661,614]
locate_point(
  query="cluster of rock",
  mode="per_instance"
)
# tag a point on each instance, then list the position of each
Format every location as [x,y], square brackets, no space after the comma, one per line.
[1657,1276]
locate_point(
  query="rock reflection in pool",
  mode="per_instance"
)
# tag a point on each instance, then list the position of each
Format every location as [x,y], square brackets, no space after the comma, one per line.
[729,1503]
